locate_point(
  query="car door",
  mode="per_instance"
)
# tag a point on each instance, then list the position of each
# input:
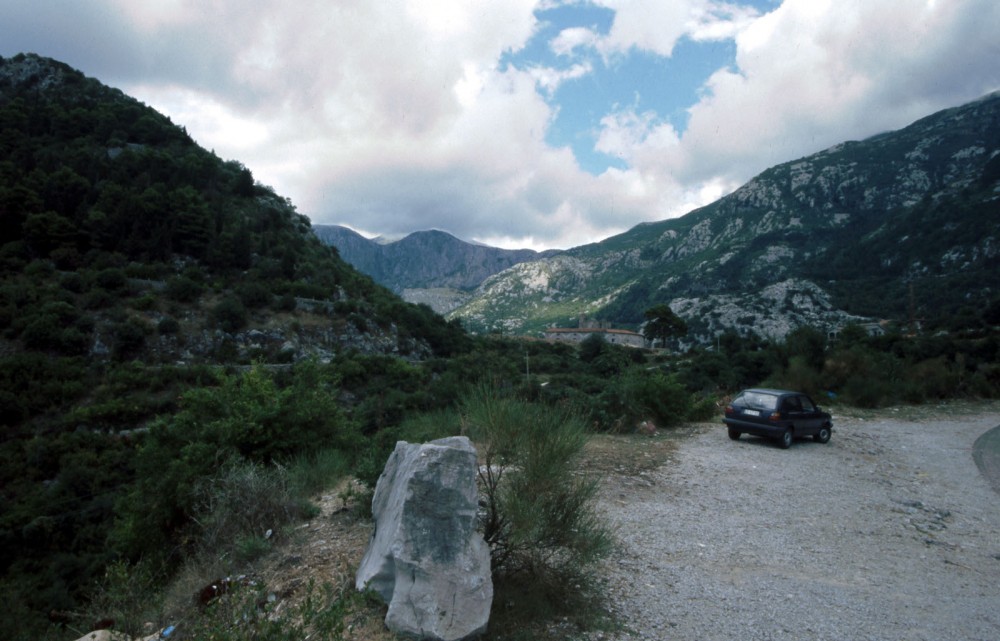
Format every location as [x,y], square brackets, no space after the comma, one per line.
[791,410]
[809,416]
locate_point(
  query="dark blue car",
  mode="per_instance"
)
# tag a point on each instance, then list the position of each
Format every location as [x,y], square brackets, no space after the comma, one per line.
[777,414]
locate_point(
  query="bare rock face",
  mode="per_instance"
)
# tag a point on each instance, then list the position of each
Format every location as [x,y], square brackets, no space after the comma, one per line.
[426,558]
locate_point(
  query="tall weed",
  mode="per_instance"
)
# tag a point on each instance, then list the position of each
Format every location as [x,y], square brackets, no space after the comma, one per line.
[241,507]
[314,472]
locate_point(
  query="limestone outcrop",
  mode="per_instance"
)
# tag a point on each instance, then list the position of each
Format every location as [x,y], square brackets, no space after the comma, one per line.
[426,558]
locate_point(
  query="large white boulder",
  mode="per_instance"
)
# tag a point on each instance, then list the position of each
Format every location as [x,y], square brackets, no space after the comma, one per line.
[426,558]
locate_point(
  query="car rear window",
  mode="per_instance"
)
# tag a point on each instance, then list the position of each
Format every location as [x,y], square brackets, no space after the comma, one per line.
[758,400]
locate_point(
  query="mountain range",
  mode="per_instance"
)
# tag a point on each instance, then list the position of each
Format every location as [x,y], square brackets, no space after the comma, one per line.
[898,228]
[431,267]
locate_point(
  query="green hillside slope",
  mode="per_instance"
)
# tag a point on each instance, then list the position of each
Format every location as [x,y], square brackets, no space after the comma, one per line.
[905,223]
[140,278]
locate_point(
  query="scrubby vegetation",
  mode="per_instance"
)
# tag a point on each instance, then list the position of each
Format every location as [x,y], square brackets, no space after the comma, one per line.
[854,368]
[142,497]
[539,518]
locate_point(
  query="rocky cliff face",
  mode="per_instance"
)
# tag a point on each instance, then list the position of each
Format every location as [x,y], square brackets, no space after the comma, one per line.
[822,240]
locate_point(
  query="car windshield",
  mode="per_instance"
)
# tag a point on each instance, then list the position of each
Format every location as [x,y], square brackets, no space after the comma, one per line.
[758,400]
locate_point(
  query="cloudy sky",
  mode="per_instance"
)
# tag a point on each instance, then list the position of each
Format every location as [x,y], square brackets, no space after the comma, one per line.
[520,123]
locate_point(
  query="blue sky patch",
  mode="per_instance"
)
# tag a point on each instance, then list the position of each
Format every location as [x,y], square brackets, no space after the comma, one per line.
[637,80]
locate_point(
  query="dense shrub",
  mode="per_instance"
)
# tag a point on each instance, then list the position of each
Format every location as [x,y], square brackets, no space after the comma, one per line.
[640,395]
[183,289]
[539,517]
[111,279]
[286,303]
[890,369]
[254,295]
[129,336]
[168,326]
[245,419]
[47,332]
[42,384]
[229,315]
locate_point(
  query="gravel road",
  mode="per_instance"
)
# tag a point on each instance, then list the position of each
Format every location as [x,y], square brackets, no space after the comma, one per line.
[889,531]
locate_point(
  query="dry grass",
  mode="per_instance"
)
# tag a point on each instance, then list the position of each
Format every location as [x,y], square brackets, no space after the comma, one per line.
[327,549]
[632,454]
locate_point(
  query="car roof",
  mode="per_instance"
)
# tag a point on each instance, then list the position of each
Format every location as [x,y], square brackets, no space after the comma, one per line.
[776,392]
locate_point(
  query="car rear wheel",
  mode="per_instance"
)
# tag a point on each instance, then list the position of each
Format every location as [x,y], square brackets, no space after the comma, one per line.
[823,435]
[786,439]
[734,434]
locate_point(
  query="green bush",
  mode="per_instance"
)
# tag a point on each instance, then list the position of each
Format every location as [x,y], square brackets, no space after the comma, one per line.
[183,289]
[129,337]
[168,326]
[800,375]
[862,392]
[286,303]
[931,380]
[111,279]
[145,303]
[657,395]
[539,517]
[230,315]
[248,418]
[47,332]
[254,295]
[638,395]
[311,472]
[98,298]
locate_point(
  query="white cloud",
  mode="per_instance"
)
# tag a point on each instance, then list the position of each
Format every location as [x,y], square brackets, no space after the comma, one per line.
[568,40]
[657,26]
[812,73]
[809,74]
[219,125]
[549,78]
[396,116]
[624,133]
[649,25]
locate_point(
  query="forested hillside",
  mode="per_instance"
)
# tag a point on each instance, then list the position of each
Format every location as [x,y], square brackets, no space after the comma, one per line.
[139,276]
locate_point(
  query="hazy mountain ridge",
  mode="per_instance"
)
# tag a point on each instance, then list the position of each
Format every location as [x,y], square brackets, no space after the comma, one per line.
[810,224]
[432,266]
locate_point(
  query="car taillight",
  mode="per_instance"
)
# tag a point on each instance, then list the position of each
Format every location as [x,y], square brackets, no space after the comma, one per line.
[775,416]
[729,410]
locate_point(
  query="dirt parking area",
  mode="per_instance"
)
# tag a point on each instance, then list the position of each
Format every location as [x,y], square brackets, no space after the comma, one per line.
[888,532]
